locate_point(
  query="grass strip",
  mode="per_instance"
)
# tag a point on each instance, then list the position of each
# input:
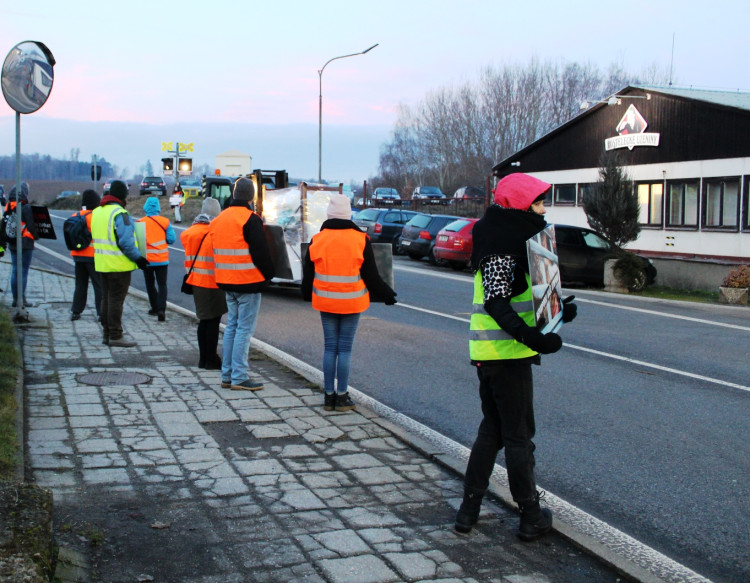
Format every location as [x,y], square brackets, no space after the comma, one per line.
[9,362]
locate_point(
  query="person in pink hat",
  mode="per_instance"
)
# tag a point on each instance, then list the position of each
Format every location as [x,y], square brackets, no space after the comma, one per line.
[503,344]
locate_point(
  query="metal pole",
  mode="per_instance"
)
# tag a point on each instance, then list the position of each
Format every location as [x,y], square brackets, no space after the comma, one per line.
[320,107]
[19,239]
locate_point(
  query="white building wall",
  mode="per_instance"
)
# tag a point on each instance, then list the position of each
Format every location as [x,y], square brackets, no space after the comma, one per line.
[661,240]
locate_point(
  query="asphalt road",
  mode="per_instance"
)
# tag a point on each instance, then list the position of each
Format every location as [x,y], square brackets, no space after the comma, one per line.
[642,418]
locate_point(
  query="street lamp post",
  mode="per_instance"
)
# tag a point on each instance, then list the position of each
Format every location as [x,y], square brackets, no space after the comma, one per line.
[320,107]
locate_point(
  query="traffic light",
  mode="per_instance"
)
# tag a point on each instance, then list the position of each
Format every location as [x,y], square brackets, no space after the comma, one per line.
[96,172]
[167,165]
[186,166]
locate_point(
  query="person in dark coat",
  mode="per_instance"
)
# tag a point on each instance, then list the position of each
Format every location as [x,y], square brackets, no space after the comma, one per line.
[83,260]
[504,342]
[29,234]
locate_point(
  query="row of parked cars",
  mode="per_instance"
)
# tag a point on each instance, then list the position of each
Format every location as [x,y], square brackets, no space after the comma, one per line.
[384,195]
[447,240]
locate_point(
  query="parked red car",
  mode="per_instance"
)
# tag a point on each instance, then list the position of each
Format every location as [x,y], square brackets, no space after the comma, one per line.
[453,244]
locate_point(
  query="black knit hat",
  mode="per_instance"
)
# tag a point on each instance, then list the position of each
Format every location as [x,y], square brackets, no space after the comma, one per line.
[118,189]
[90,199]
[244,189]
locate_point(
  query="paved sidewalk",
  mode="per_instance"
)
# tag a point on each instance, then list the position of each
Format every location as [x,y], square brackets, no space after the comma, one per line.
[160,475]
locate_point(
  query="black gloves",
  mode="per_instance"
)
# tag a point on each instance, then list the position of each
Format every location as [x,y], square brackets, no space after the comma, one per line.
[541,343]
[390,299]
[570,310]
[142,262]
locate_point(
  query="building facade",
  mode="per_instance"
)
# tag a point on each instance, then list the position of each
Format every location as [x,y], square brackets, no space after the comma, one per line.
[688,154]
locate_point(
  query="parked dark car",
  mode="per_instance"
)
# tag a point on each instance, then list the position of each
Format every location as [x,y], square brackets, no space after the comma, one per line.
[384,195]
[153,184]
[431,193]
[581,254]
[453,244]
[67,194]
[383,225]
[420,233]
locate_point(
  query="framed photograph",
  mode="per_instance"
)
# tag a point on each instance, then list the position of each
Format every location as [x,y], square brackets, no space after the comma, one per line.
[545,280]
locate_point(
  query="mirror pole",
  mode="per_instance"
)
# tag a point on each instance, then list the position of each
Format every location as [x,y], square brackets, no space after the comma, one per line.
[20,309]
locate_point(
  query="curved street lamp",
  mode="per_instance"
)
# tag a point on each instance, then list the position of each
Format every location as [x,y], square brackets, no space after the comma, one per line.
[320,106]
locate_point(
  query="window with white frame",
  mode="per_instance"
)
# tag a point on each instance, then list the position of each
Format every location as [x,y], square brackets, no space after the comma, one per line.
[721,203]
[651,203]
[746,205]
[565,194]
[682,203]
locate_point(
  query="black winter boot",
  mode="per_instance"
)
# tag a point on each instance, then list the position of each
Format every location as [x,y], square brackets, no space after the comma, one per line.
[535,520]
[468,513]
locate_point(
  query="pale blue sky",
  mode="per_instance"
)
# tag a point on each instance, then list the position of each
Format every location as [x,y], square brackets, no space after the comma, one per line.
[253,62]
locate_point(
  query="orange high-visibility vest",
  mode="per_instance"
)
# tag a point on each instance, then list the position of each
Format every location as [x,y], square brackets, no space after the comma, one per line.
[338,255]
[156,238]
[202,274]
[86,251]
[233,262]
[11,207]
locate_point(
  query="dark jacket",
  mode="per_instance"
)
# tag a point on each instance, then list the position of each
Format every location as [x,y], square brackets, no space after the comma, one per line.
[27,217]
[255,236]
[379,290]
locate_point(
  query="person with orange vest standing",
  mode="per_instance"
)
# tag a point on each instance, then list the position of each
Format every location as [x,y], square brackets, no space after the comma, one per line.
[28,236]
[210,301]
[83,260]
[159,234]
[243,266]
[339,276]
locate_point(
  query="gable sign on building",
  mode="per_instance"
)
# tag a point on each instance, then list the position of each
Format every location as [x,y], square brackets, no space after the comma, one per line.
[632,132]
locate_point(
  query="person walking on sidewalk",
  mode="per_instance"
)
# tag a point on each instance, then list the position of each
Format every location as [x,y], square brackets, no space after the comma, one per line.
[504,343]
[210,301]
[339,276]
[29,234]
[243,267]
[83,260]
[159,234]
[115,257]
[176,200]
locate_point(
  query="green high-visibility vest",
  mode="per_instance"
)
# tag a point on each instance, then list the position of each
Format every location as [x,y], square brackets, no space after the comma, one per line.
[487,341]
[108,257]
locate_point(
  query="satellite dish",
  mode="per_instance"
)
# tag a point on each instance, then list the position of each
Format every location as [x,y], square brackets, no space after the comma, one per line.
[27,76]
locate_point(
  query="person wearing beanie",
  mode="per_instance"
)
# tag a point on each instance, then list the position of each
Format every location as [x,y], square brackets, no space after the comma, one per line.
[159,234]
[83,261]
[29,234]
[243,266]
[210,301]
[115,257]
[340,277]
[503,344]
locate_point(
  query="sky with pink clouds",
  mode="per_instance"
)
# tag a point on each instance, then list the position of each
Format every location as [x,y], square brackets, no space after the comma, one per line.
[181,68]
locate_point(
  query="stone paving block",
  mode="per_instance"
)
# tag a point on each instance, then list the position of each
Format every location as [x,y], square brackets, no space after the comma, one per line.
[372,517]
[113,460]
[344,542]
[106,476]
[323,434]
[272,431]
[381,475]
[217,415]
[257,415]
[178,424]
[413,565]
[360,569]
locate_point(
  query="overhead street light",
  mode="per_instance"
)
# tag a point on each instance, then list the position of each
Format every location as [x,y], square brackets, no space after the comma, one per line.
[320,106]
[614,100]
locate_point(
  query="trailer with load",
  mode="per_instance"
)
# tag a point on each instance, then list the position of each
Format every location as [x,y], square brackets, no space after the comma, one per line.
[291,215]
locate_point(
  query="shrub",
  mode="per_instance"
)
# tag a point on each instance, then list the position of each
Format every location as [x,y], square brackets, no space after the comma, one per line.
[629,270]
[737,277]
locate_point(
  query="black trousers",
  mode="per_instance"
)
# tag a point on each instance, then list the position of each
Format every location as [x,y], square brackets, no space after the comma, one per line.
[114,291]
[156,287]
[85,272]
[507,394]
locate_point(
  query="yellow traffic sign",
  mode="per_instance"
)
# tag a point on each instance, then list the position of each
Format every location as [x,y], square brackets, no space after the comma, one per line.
[185,147]
[165,146]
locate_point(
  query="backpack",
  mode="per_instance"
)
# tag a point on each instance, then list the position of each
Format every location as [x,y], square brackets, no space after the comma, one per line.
[4,223]
[76,232]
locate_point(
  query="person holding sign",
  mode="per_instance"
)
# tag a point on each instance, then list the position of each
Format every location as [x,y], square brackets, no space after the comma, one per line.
[29,234]
[504,342]
[176,200]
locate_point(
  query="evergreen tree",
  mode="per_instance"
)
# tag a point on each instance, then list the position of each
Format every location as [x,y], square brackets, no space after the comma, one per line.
[611,207]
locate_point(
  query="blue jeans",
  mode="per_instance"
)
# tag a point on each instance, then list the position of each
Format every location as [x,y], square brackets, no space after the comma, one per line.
[25,264]
[241,321]
[338,334]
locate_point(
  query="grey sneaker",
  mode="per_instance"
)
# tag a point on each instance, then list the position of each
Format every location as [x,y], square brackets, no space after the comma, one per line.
[122,343]
[248,385]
